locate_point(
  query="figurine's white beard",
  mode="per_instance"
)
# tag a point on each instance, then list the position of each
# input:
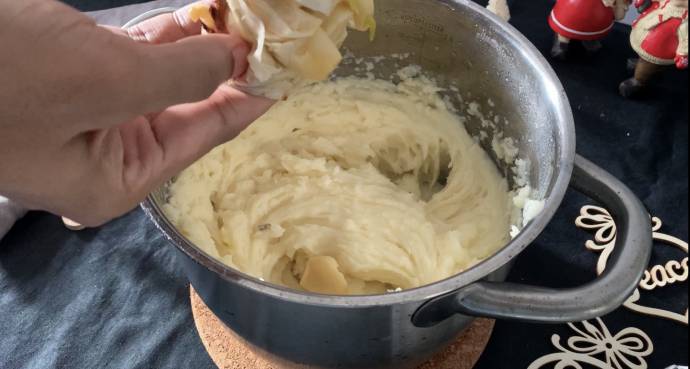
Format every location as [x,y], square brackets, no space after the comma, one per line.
[609,3]
[680,3]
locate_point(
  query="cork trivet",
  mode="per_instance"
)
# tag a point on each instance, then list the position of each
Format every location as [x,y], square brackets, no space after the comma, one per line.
[228,351]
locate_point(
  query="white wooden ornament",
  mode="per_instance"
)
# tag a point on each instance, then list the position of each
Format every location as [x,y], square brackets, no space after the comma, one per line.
[595,346]
[598,219]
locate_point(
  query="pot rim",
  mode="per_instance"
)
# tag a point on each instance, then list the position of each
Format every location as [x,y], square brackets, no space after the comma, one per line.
[566,158]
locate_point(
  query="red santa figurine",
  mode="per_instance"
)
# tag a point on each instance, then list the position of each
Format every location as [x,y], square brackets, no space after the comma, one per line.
[588,21]
[660,37]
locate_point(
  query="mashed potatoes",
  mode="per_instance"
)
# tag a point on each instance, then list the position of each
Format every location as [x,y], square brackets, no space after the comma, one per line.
[348,187]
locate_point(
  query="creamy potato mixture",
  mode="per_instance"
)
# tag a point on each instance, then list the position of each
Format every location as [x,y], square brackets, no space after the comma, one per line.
[351,186]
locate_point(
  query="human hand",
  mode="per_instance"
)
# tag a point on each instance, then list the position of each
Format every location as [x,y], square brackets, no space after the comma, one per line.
[93,119]
[682,62]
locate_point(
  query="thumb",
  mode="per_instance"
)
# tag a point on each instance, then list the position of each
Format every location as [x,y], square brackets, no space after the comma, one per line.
[188,70]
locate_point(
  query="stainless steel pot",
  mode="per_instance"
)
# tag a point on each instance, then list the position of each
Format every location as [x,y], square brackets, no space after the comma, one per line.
[462,43]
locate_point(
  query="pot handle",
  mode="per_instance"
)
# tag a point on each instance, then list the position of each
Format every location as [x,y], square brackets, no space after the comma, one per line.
[543,305]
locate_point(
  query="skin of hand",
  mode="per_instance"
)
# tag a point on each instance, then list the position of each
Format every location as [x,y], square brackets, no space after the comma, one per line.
[92,119]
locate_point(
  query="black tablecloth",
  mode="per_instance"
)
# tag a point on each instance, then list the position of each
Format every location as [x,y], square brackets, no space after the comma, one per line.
[114,297]
[89,5]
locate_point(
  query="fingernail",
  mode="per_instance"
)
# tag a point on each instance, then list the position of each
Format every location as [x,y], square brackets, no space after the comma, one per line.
[72,225]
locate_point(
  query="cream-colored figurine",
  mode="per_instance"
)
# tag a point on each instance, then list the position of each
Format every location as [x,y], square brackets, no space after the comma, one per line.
[660,37]
[588,21]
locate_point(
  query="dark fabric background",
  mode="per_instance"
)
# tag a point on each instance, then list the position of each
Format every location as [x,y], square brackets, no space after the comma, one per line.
[91,5]
[115,298]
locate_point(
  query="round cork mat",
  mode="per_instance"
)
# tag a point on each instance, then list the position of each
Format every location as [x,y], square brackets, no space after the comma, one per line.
[228,351]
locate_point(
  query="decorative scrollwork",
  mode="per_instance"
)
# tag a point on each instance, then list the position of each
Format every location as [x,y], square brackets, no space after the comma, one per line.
[596,346]
[663,275]
[600,221]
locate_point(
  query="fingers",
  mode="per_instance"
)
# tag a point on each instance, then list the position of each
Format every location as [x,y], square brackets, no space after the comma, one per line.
[187,132]
[189,70]
[114,169]
[171,64]
[139,156]
[166,28]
